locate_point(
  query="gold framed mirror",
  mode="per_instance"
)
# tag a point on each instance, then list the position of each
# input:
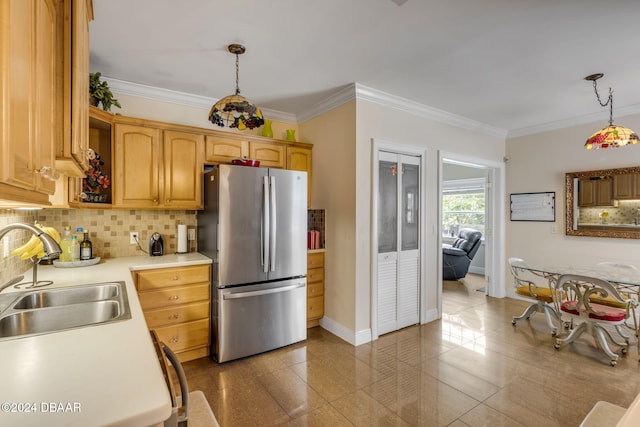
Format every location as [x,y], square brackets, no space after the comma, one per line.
[603,203]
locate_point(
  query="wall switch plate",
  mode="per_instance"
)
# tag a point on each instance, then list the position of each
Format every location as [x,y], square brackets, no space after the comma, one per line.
[133,238]
[554,229]
[191,234]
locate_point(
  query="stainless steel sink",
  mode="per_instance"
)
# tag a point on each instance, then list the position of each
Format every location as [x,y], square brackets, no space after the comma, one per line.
[53,310]
[65,296]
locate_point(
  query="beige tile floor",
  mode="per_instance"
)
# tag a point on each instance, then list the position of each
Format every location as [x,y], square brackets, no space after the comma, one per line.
[471,368]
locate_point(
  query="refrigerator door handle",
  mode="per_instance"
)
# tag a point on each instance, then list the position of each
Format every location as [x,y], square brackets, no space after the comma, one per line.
[272,226]
[249,294]
[264,240]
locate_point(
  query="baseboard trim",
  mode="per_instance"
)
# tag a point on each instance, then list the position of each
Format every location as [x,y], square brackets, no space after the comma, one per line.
[476,270]
[342,332]
[431,315]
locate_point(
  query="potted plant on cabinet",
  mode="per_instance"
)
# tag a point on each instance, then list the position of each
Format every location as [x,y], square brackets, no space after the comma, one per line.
[99,92]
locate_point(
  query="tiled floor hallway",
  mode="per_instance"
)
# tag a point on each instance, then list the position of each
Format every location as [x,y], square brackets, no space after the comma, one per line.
[471,368]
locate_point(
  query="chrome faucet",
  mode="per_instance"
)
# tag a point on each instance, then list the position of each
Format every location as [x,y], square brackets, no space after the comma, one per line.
[50,246]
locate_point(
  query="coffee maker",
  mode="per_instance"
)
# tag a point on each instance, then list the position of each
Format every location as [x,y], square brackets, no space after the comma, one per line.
[156,245]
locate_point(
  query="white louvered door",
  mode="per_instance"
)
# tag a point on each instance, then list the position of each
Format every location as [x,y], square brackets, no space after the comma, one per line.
[398,275]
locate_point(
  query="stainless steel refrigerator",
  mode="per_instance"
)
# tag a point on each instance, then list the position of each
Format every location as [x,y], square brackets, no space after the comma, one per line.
[254,227]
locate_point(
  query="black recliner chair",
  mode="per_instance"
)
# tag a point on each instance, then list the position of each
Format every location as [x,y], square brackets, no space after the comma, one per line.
[457,257]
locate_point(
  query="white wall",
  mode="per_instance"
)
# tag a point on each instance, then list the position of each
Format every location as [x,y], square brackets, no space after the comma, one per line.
[374,121]
[539,163]
[333,180]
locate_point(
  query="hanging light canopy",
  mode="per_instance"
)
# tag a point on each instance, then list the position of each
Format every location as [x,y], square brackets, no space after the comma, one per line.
[611,136]
[236,111]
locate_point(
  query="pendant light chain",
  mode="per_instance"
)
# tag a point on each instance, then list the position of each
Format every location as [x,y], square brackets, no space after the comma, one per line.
[609,101]
[237,74]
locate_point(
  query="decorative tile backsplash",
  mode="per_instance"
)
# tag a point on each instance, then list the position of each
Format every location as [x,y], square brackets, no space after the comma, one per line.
[11,266]
[625,213]
[108,231]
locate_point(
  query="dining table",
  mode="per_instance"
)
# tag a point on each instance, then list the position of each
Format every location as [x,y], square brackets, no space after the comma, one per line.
[625,277]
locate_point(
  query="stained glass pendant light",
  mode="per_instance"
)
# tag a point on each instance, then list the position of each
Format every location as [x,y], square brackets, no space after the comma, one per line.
[611,136]
[236,111]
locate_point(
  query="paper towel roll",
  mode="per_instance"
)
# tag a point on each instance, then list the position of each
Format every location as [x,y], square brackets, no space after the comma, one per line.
[182,239]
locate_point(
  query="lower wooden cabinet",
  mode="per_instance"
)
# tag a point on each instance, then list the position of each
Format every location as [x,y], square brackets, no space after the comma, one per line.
[176,303]
[315,288]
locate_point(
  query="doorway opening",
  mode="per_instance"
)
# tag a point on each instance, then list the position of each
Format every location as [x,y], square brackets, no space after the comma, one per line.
[471,197]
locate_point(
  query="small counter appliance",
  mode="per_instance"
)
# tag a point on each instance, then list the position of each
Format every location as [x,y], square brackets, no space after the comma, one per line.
[156,245]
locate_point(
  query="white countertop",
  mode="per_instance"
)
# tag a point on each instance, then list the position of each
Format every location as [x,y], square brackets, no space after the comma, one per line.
[96,375]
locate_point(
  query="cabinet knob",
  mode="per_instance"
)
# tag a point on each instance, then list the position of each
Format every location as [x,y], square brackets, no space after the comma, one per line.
[175,278]
[155,201]
[48,172]
[174,297]
[168,201]
[174,317]
[173,340]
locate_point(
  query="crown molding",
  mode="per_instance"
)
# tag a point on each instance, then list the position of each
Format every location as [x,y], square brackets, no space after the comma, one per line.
[182,98]
[342,96]
[574,121]
[421,110]
[365,93]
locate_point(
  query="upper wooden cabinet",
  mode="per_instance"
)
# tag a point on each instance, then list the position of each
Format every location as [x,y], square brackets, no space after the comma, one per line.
[157,169]
[223,149]
[270,154]
[626,186]
[71,152]
[219,149]
[28,93]
[595,192]
[137,162]
[183,169]
[69,189]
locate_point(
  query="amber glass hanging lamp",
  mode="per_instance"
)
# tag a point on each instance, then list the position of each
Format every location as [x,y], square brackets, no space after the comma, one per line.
[611,136]
[236,111]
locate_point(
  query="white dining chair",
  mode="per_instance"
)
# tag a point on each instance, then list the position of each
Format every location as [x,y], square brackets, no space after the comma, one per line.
[624,268]
[592,315]
[542,297]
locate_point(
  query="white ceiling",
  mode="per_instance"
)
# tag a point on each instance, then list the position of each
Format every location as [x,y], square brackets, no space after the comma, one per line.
[516,65]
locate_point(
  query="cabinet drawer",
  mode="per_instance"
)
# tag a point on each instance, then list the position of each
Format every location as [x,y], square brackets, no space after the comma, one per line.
[315,260]
[178,314]
[315,307]
[160,278]
[163,298]
[186,335]
[315,275]
[315,289]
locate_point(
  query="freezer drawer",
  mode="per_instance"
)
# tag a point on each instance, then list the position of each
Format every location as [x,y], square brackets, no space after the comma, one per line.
[252,319]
